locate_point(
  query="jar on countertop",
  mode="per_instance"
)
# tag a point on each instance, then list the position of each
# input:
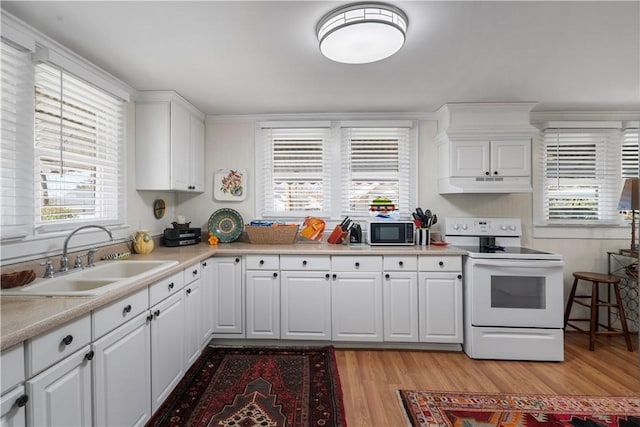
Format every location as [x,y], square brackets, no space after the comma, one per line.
[143,242]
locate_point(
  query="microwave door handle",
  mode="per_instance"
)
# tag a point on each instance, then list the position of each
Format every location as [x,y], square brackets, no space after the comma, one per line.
[519,264]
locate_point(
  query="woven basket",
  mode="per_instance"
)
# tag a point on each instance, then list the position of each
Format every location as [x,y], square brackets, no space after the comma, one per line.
[274,235]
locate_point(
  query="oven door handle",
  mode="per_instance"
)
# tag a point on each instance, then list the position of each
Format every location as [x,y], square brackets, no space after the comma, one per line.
[518,264]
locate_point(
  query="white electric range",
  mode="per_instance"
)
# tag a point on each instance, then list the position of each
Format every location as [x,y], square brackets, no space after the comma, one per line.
[513,296]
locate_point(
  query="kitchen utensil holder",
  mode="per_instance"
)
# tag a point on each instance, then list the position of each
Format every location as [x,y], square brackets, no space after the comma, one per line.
[423,236]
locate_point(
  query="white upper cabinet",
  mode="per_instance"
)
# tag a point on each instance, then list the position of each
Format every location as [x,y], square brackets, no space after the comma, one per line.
[169,143]
[485,148]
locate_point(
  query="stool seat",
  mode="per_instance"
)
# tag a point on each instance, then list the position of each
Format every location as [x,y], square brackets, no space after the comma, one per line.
[596,277]
[593,302]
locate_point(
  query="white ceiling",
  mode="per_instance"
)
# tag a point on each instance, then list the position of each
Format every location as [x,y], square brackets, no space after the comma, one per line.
[244,57]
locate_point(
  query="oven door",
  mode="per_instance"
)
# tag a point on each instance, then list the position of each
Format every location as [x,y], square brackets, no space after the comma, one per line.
[515,293]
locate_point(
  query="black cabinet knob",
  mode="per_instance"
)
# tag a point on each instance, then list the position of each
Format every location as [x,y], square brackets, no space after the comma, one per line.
[261,262]
[204,264]
[237,260]
[127,308]
[357,264]
[459,276]
[495,172]
[335,276]
[327,275]
[275,274]
[171,285]
[487,173]
[150,317]
[386,276]
[304,263]
[156,313]
[22,400]
[400,263]
[441,263]
[194,272]
[67,340]
[89,356]
[189,291]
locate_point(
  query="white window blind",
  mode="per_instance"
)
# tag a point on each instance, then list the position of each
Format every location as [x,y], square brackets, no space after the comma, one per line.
[16,185]
[296,171]
[79,149]
[580,176]
[630,153]
[376,162]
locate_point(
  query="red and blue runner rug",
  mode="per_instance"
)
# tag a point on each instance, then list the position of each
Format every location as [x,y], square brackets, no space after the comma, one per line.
[440,409]
[242,387]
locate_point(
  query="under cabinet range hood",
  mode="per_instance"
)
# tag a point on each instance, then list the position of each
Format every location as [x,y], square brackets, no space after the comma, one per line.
[485,147]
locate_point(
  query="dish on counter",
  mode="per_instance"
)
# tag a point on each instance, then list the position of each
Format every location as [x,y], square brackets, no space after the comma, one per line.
[439,243]
[226,224]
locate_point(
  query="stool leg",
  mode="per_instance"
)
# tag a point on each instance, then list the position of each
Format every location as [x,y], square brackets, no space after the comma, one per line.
[570,302]
[593,324]
[623,319]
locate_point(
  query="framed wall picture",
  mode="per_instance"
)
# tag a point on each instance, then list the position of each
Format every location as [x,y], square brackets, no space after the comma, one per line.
[230,185]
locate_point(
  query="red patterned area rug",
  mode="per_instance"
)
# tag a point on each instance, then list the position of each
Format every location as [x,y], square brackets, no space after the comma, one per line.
[432,408]
[270,387]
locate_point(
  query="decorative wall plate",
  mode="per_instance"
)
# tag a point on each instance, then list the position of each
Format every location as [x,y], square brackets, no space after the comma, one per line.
[226,225]
[159,208]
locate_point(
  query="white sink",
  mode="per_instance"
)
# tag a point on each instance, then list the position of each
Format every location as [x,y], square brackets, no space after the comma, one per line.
[97,280]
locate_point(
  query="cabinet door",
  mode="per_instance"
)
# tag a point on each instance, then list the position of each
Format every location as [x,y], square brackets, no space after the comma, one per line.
[122,375]
[470,158]
[61,395]
[180,146]
[227,296]
[263,304]
[193,321]
[206,290]
[511,158]
[153,145]
[356,306]
[440,307]
[305,302]
[400,296]
[12,408]
[196,154]
[167,347]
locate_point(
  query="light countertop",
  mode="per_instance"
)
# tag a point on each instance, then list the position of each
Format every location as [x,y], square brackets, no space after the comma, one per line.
[23,317]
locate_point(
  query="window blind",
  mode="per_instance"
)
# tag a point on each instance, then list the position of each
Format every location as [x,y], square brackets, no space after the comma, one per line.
[376,162]
[581,175]
[297,171]
[16,175]
[630,153]
[79,149]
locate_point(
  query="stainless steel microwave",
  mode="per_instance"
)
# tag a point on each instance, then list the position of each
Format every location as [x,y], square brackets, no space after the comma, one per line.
[391,233]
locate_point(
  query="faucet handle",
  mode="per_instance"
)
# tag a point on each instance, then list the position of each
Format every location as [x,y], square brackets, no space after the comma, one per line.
[78,262]
[90,257]
[48,269]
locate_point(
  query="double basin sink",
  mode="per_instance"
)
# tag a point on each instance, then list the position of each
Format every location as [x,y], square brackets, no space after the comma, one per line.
[105,276]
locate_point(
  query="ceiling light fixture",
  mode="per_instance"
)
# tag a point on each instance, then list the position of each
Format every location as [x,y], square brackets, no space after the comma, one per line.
[360,33]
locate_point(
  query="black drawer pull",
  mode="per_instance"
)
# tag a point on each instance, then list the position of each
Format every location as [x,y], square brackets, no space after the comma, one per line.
[357,264]
[189,291]
[22,400]
[237,259]
[304,263]
[400,263]
[261,262]
[459,276]
[171,285]
[89,356]
[327,275]
[441,263]
[150,317]
[156,313]
[386,276]
[67,340]
[127,308]
[204,264]
[335,276]
[275,274]
[194,272]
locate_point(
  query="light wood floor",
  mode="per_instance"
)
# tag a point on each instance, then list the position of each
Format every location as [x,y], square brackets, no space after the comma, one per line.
[370,378]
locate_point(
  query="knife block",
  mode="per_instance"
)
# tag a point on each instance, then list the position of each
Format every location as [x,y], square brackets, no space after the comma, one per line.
[337,236]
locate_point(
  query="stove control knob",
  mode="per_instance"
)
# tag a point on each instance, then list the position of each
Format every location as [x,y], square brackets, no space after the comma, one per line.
[456,226]
[503,227]
[512,227]
[464,226]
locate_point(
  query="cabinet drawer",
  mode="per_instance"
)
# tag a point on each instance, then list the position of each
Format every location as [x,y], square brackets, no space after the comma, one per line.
[165,287]
[191,273]
[12,365]
[263,262]
[440,263]
[48,348]
[356,263]
[400,263]
[309,262]
[111,316]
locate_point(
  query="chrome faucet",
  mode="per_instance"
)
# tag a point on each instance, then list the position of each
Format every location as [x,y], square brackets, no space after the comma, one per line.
[64,261]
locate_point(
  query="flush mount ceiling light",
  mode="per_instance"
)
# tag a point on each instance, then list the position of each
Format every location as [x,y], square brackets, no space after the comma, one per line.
[360,33]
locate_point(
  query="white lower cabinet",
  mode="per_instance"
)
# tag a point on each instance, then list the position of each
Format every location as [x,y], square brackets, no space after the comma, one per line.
[167,347]
[13,408]
[227,298]
[305,305]
[440,307]
[206,291]
[61,394]
[122,375]
[400,296]
[192,321]
[263,304]
[356,306]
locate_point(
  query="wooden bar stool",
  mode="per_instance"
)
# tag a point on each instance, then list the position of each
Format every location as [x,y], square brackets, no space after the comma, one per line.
[594,304]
